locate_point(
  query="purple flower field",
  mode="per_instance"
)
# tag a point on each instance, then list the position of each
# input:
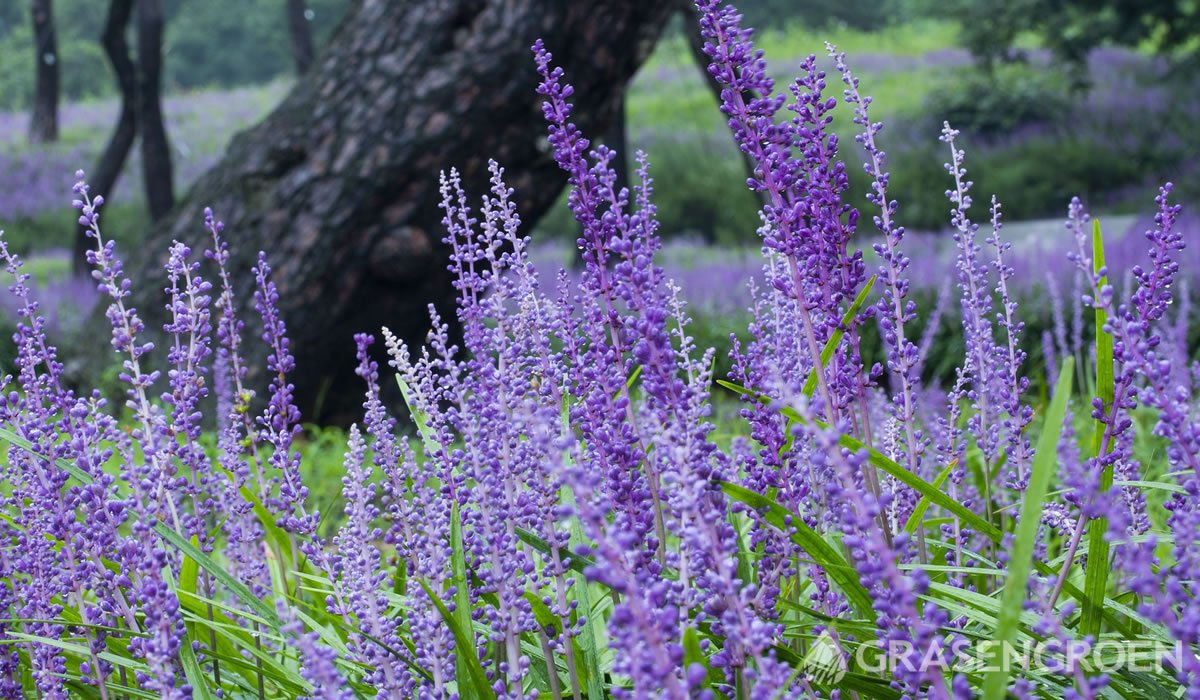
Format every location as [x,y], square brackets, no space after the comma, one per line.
[563,512]
[33,179]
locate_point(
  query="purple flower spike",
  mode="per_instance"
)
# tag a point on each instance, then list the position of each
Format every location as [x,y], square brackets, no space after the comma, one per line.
[280,423]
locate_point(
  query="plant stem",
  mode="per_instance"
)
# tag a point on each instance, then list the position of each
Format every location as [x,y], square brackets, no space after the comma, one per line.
[551,667]
[212,633]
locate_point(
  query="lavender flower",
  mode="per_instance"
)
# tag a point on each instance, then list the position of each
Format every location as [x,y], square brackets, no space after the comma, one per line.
[280,423]
[356,571]
[318,666]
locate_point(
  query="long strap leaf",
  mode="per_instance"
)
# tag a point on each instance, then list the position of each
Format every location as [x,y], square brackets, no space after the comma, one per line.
[935,495]
[1096,580]
[918,514]
[462,596]
[1020,560]
[831,345]
[227,579]
[829,559]
[473,683]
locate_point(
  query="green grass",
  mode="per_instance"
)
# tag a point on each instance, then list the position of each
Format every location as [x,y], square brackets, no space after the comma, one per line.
[908,39]
[670,90]
[126,222]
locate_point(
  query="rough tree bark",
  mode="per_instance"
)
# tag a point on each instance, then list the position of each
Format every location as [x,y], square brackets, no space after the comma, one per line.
[300,30]
[43,124]
[112,160]
[339,184]
[156,150]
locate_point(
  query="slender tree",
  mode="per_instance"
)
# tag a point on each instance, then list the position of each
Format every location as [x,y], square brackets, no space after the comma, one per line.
[43,126]
[156,150]
[300,29]
[112,160]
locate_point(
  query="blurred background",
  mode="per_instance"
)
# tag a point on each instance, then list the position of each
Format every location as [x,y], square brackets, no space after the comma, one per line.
[1054,98]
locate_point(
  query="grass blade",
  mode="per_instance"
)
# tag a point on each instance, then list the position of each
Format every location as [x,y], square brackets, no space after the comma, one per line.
[1096,578]
[226,579]
[918,514]
[462,596]
[820,551]
[418,418]
[694,654]
[187,655]
[472,683]
[831,345]
[934,494]
[887,465]
[11,437]
[1020,560]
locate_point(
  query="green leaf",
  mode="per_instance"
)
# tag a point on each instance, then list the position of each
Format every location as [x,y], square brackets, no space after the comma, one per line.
[1020,560]
[821,552]
[546,619]
[926,489]
[633,377]
[918,514]
[462,595]
[935,495]
[831,345]
[693,654]
[1096,580]
[79,650]
[191,666]
[591,643]
[418,418]
[579,563]
[472,683]
[226,579]
[881,461]
[189,571]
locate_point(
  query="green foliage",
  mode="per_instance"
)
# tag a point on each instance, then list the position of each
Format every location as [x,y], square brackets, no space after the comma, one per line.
[1033,176]
[994,105]
[859,14]
[1098,549]
[1072,28]
[81,68]
[246,636]
[702,190]
[1020,560]
[56,229]
[206,44]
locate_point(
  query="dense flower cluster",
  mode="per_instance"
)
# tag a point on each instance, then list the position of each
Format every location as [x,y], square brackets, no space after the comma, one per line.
[570,517]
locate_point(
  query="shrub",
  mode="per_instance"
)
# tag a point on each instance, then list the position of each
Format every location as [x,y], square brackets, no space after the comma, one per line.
[574,525]
[991,104]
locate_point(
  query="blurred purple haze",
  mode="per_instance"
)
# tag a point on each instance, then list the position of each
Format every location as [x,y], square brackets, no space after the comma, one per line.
[37,180]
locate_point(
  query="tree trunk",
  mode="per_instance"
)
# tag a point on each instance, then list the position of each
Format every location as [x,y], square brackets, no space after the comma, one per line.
[43,124]
[156,150]
[300,29]
[617,138]
[339,184]
[104,178]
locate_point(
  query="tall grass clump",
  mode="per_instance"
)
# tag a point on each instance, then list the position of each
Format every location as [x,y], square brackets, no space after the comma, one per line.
[561,519]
